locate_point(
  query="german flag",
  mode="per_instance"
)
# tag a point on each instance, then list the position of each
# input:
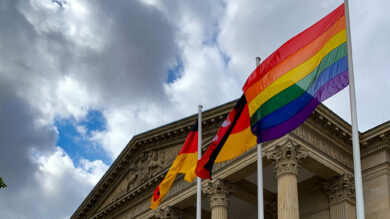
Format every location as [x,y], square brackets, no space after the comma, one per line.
[233,138]
[185,162]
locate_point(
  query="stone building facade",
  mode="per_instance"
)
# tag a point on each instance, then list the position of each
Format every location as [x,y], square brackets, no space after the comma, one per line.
[307,174]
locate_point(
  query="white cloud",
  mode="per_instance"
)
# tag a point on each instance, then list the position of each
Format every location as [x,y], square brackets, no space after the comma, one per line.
[59,62]
[205,80]
[60,186]
[64,61]
[73,19]
[72,99]
[117,133]
[82,130]
[55,168]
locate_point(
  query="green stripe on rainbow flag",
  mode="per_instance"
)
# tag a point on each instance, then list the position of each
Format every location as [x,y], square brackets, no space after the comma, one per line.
[293,76]
[306,70]
[297,89]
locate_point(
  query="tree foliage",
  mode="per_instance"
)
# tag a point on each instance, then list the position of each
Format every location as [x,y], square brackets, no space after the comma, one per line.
[2,184]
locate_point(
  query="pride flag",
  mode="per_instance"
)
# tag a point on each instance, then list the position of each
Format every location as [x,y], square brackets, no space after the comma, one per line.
[185,162]
[285,88]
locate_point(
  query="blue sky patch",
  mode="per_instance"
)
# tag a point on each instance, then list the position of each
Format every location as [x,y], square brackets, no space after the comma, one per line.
[74,137]
[226,58]
[175,72]
[211,41]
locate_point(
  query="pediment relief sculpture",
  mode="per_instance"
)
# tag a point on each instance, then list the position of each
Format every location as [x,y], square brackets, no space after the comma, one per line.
[146,165]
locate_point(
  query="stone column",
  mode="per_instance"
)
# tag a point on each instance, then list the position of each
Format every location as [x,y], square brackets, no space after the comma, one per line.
[168,212]
[219,192]
[286,159]
[341,192]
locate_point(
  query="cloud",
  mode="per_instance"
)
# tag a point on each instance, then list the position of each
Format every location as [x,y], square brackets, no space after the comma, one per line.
[139,49]
[42,180]
[195,25]
[54,190]
[61,60]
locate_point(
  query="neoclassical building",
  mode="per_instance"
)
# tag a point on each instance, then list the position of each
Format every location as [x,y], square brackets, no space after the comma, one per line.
[308,174]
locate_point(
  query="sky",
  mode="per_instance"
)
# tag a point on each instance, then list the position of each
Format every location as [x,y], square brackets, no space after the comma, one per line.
[78,79]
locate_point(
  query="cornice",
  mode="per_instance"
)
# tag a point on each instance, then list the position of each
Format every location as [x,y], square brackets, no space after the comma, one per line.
[332,123]
[378,131]
[334,118]
[371,141]
[375,148]
[376,139]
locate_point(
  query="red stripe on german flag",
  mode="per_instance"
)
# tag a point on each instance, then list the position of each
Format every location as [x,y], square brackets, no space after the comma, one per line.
[185,163]
[233,138]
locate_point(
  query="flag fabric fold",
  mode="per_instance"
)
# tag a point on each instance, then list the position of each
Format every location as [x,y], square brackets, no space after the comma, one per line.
[185,163]
[285,88]
[233,138]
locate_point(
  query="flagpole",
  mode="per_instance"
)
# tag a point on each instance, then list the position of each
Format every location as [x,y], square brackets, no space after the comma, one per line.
[198,180]
[355,133]
[260,205]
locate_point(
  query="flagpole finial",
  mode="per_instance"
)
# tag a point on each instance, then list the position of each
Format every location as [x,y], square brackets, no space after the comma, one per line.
[258,60]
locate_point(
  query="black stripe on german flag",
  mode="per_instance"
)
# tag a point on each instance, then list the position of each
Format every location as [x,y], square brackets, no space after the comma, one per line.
[205,164]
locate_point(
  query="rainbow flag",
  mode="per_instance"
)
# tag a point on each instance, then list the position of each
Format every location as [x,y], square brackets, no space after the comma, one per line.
[285,89]
[185,162]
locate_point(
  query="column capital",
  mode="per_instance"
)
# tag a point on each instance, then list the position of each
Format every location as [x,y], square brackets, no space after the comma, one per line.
[340,188]
[219,192]
[287,157]
[167,212]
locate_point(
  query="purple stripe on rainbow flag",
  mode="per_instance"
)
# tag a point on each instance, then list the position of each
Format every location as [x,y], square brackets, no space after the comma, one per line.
[285,112]
[329,89]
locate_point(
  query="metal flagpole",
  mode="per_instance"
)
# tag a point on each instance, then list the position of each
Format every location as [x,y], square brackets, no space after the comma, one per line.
[260,205]
[198,180]
[355,134]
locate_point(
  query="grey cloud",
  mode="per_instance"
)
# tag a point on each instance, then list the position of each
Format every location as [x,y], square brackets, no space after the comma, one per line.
[18,125]
[21,137]
[140,48]
[206,13]
[131,66]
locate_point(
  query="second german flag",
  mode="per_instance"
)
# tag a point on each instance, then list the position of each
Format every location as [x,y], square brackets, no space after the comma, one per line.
[234,137]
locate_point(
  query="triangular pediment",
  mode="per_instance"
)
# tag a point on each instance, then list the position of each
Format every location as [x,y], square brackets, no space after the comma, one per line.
[146,165]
